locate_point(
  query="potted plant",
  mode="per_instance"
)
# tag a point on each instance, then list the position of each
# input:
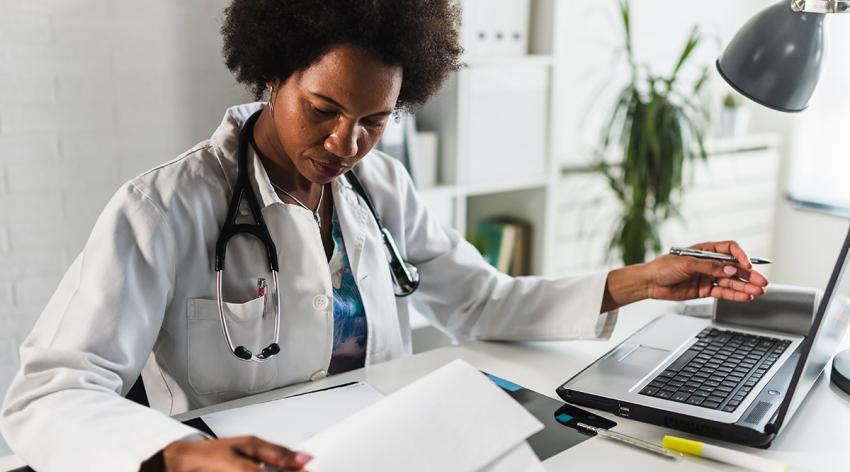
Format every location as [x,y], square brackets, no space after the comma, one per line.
[655,126]
[733,118]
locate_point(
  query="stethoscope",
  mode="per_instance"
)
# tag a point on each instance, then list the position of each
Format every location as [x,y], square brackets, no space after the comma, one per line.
[405,275]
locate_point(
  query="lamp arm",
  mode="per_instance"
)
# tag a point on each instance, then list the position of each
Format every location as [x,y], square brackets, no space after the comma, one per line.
[821,6]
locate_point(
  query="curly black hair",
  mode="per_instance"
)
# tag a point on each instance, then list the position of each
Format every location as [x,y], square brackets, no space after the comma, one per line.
[267,40]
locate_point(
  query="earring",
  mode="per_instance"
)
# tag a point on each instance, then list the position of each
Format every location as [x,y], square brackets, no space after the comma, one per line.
[270,101]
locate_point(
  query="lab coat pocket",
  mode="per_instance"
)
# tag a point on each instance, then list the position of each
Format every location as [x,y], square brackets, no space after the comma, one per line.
[212,367]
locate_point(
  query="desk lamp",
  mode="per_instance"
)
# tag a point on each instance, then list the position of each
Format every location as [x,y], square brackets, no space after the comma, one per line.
[775,60]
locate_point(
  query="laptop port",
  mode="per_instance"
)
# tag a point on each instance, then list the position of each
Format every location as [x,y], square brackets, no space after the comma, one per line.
[623,411]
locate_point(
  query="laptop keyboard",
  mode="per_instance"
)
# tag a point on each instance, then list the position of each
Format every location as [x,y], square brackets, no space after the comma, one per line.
[718,371]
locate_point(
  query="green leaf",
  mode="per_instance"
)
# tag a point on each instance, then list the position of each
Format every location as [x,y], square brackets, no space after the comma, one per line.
[703,78]
[690,45]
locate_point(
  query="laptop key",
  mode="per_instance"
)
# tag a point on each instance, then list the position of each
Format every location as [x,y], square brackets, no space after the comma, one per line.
[649,390]
[715,398]
[695,400]
[663,394]
[708,404]
[680,396]
[729,408]
[683,360]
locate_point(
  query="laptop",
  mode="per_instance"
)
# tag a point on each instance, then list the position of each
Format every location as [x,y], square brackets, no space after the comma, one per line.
[716,378]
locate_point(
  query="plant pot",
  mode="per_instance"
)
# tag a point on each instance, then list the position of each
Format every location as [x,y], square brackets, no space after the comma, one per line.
[732,122]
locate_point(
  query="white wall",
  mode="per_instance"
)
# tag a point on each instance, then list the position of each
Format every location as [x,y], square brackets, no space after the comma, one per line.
[92,92]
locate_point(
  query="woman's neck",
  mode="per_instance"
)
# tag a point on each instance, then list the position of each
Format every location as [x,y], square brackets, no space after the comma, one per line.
[279,167]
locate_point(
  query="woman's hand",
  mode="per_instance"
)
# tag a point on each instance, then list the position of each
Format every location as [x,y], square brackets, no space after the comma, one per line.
[672,277]
[683,278]
[244,453]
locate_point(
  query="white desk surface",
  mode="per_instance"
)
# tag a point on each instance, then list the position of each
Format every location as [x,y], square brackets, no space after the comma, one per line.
[816,439]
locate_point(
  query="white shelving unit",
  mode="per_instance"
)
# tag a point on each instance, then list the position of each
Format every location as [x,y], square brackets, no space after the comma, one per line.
[493,120]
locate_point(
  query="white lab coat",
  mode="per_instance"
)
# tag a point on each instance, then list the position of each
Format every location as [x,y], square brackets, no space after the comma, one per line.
[144,284]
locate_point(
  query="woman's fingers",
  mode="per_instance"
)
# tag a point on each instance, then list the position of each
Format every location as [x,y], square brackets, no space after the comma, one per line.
[755,277]
[272,454]
[730,282]
[727,247]
[730,294]
[741,286]
[711,268]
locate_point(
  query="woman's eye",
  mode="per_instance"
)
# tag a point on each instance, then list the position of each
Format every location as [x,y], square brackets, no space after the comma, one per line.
[373,123]
[321,112]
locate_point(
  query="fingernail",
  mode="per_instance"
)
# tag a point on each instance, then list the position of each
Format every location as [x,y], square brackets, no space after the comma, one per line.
[302,457]
[730,270]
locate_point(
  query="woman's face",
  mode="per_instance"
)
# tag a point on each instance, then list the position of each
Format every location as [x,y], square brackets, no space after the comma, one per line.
[328,116]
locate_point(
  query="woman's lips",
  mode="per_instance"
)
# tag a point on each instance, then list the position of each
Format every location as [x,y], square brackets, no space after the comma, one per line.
[328,170]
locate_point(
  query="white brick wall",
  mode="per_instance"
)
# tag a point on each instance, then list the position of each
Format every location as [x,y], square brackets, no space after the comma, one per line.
[92,92]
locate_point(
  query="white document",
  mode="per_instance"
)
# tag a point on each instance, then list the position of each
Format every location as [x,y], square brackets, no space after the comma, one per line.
[453,419]
[289,421]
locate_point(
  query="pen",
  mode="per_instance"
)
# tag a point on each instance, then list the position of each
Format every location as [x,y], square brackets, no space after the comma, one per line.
[721,454]
[632,441]
[686,251]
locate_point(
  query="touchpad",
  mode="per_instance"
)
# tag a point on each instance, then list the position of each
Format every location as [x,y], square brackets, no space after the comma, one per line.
[643,356]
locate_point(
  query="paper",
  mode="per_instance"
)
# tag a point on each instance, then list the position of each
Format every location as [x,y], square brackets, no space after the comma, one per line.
[453,419]
[289,421]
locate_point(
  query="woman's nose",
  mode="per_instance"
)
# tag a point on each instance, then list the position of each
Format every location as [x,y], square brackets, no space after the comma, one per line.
[342,142]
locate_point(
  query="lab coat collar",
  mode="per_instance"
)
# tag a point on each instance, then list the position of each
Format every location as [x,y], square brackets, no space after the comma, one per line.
[226,140]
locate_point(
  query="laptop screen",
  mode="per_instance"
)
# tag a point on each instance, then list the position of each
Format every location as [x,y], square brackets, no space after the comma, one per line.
[825,335]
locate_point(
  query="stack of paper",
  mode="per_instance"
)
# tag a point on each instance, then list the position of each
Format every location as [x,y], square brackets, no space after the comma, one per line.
[453,419]
[289,421]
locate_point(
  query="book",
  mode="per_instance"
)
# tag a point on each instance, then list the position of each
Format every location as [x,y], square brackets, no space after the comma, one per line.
[505,243]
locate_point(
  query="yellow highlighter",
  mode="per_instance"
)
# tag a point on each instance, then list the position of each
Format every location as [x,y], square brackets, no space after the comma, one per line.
[721,454]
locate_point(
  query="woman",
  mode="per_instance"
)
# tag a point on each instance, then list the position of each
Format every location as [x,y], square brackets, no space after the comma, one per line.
[143,291]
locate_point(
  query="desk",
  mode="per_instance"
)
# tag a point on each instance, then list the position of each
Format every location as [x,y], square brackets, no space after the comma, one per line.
[816,439]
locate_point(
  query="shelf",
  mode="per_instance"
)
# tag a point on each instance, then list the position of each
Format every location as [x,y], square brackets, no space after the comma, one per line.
[500,187]
[745,143]
[519,60]
[713,146]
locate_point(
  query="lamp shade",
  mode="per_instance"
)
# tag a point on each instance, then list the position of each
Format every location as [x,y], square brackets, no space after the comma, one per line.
[775,58]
